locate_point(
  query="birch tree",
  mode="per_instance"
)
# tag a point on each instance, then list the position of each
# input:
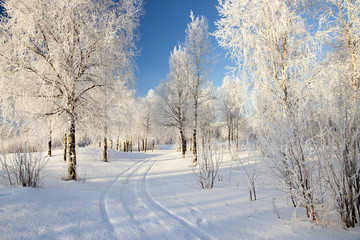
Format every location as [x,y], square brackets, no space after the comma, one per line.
[147,115]
[337,143]
[272,45]
[232,99]
[199,49]
[57,45]
[173,95]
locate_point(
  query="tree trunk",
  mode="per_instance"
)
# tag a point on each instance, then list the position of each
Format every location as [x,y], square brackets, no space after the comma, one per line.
[153,145]
[117,144]
[194,135]
[49,143]
[194,149]
[191,144]
[105,155]
[65,147]
[145,143]
[71,154]
[229,138]
[183,143]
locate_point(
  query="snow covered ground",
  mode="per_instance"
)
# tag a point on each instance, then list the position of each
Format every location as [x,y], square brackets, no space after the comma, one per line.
[151,196]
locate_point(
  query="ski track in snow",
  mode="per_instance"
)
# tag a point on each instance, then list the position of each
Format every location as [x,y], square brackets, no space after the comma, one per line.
[102,203]
[127,203]
[186,224]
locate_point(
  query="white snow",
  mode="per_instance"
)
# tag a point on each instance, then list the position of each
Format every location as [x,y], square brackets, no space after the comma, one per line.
[151,196]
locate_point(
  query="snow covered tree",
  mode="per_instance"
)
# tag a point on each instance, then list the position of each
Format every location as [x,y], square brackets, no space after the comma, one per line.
[272,45]
[199,49]
[173,95]
[53,49]
[147,116]
[207,115]
[337,144]
[232,99]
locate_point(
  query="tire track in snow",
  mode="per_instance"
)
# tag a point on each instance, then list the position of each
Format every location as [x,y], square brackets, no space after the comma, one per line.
[144,221]
[195,230]
[102,202]
[146,216]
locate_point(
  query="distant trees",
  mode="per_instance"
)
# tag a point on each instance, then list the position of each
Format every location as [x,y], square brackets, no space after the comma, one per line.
[184,90]
[147,116]
[232,101]
[52,50]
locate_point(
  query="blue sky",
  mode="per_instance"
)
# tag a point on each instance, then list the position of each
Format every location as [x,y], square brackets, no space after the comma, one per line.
[162,28]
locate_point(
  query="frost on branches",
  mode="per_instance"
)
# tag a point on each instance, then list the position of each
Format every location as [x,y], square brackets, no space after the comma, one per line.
[305,100]
[53,51]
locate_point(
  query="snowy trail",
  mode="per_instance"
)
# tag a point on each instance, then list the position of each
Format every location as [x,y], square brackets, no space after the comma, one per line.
[132,213]
[104,197]
[191,228]
[150,195]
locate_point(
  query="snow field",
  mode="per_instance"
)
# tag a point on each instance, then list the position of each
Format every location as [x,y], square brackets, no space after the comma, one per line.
[151,196]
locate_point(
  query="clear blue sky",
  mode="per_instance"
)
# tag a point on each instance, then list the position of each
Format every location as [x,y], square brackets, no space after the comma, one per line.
[162,28]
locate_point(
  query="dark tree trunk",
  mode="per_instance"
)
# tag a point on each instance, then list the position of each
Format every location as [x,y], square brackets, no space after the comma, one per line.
[183,143]
[145,143]
[194,133]
[71,149]
[117,144]
[194,149]
[105,155]
[153,145]
[65,147]
[49,143]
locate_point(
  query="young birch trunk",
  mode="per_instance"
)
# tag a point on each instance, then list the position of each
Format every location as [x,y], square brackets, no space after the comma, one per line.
[105,155]
[145,143]
[49,143]
[183,143]
[71,154]
[194,134]
[146,139]
[65,147]
[117,144]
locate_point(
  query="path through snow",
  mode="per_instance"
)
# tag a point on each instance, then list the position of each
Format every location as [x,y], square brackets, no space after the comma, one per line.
[127,202]
[151,196]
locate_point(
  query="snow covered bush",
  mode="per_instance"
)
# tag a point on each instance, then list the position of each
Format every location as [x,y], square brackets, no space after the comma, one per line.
[249,166]
[206,171]
[23,168]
